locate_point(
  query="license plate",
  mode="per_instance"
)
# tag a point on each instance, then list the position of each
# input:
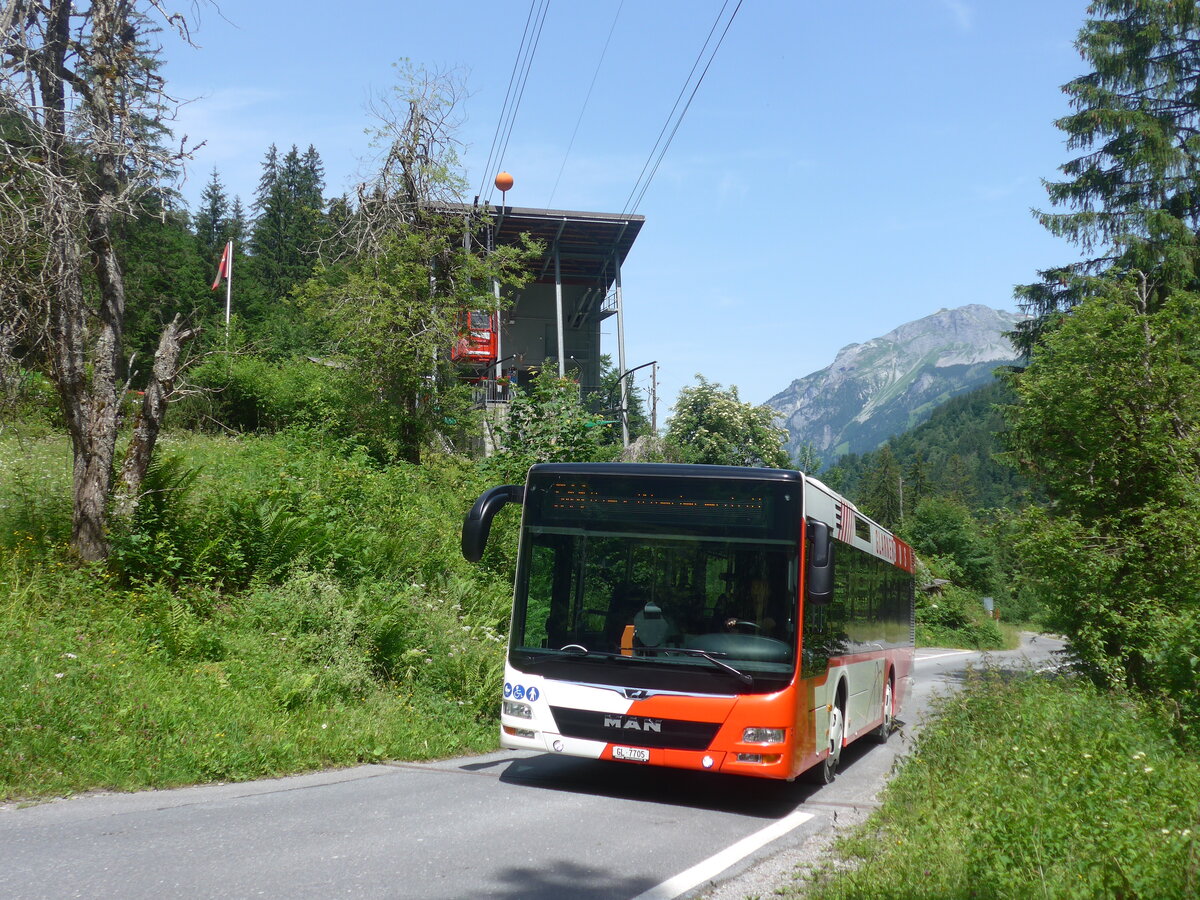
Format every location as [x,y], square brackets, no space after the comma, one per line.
[632,754]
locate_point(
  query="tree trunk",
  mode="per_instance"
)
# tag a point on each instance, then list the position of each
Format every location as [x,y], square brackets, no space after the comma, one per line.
[150,417]
[90,405]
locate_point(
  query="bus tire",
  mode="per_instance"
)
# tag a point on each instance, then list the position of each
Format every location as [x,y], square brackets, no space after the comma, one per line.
[826,770]
[881,734]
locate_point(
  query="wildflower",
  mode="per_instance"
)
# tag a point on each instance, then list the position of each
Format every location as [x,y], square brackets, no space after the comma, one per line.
[324,725]
[1148,769]
[60,674]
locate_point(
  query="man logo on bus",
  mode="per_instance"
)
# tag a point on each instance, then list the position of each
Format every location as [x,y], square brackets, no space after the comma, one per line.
[631,723]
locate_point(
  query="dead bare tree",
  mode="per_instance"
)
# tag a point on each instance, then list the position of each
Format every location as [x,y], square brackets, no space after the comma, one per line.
[417,167]
[82,113]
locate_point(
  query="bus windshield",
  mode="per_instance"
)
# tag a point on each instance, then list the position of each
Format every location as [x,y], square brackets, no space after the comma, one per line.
[660,582]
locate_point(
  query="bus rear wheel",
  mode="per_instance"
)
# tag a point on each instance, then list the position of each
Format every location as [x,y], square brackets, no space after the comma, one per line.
[888,725]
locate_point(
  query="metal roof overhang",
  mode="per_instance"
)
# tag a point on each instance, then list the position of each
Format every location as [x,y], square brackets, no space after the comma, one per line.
[590,245]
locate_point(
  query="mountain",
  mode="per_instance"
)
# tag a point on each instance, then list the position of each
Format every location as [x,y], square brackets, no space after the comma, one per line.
[889,384]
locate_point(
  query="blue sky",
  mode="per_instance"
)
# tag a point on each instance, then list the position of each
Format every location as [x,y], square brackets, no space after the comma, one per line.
[844,168]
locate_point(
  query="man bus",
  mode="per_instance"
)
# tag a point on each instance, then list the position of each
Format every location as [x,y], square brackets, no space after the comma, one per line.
[739,620]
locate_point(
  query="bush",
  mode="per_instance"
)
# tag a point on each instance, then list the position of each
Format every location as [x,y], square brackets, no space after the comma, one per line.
[547,421]
[945,528]
[255,509]
[28,401]
[252,394]
[952,616]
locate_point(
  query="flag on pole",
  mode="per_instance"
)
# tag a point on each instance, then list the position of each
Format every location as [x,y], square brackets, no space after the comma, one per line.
[224,265]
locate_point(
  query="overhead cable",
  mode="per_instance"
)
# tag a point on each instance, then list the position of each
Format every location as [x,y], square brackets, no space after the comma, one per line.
[516,89]
[583,109]
[653,161]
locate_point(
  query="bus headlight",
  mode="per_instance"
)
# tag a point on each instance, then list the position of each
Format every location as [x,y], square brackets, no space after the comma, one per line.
[762,736]
[517,710]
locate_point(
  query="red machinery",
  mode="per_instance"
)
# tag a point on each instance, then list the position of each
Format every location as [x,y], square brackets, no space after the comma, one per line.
[479,338]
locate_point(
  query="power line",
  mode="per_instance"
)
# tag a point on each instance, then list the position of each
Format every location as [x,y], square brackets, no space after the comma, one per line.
[640,187]
[487,167]
[521,92]
[533,26]
[583,108]
[508,115]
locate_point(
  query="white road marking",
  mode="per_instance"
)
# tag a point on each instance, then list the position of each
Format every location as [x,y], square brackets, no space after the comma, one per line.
[1054,668]
[947,653]
[719,862]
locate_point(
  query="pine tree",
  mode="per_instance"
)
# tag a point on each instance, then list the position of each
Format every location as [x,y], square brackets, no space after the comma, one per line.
[1133,195]
[808,458]
[882,490]
[290,223]
[916,480]
[266,181]
[211,221]
[237,227]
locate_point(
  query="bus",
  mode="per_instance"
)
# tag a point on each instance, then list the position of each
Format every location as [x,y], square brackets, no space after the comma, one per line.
[740,620]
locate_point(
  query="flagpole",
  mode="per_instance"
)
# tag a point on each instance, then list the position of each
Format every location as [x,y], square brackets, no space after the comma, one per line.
[228,282]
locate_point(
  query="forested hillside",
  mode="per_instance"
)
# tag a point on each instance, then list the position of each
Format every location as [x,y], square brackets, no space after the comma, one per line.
[957,453]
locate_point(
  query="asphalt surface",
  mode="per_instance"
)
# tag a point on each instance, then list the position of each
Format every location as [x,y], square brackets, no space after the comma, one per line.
[505,825]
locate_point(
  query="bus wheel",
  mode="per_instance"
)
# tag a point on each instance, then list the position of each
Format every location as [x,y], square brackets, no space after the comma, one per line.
[888,725]
[824,771]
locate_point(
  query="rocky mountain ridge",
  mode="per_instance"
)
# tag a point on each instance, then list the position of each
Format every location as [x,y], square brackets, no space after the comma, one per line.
[887,385]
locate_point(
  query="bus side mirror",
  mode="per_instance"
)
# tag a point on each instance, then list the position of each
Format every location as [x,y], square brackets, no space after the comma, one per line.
[818,579]
[478,522]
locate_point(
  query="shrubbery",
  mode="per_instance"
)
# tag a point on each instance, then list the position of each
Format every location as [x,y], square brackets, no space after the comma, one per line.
[248,393]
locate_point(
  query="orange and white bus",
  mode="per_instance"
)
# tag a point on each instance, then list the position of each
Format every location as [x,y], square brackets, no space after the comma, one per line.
[735,620]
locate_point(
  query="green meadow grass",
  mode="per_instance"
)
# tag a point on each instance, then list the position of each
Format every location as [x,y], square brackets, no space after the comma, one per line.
[286,607]
[1031,788]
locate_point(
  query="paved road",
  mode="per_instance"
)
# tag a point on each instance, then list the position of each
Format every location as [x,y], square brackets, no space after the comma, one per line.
[505,825]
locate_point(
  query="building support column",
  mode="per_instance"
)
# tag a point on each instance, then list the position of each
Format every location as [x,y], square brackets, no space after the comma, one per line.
[558,314]
[621,358]
[499,327]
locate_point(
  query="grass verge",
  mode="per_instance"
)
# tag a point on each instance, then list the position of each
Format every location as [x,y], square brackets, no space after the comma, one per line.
[155,689]
[289,606]
[1031,788]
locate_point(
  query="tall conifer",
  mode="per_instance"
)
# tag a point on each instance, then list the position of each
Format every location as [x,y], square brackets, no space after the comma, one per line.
[291,220]
[1131,199]
[212,218]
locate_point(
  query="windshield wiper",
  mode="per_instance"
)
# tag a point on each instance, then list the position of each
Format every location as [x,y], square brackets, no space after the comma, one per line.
[712,656]
[580,652]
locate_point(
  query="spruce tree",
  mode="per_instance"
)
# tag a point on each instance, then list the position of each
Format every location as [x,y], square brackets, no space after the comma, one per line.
[211,221]
[1131,199]
[237,227]
[882,492]
[290,224]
